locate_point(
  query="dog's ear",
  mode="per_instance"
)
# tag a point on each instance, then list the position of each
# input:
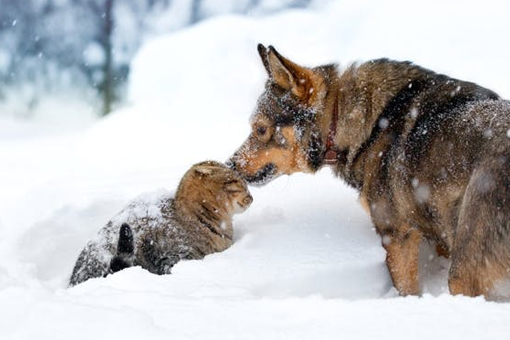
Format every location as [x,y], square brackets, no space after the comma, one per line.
[287,74]
[263,56]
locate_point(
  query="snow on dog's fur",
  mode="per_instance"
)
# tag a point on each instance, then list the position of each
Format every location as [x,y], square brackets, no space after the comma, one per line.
[429,155]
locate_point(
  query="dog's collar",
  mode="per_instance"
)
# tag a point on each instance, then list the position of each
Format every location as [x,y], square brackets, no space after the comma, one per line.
[332,153]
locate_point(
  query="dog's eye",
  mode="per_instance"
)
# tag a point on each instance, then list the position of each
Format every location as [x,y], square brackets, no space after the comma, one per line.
[263,133]
[261,130]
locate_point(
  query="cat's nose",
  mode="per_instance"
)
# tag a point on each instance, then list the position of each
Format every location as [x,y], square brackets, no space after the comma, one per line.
[248,199]
[231,163]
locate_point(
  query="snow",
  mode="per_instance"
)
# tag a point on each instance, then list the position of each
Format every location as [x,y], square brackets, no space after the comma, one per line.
[306,262]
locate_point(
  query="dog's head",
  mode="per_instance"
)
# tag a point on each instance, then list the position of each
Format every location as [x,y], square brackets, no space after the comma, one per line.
[287,125]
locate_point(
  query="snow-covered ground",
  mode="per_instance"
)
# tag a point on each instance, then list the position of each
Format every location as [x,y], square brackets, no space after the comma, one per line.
[306,263]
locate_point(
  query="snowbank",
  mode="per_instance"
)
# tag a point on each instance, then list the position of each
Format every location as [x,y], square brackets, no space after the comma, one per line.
[306,263]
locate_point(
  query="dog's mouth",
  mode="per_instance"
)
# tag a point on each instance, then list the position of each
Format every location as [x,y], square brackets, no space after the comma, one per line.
[263,176]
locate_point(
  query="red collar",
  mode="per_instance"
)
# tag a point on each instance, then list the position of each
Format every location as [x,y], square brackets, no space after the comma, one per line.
[332,153]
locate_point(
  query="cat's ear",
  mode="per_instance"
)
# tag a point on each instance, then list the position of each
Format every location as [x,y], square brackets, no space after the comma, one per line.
[204,171]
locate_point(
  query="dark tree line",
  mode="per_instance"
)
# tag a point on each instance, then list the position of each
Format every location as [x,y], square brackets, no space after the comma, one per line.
[47,46]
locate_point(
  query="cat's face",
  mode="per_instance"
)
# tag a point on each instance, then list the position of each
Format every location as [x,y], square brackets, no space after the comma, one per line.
[216,184]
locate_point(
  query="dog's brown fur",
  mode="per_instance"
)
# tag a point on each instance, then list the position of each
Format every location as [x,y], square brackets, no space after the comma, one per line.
[429,155]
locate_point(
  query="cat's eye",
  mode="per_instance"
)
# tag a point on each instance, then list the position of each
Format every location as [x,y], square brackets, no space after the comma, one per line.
[232,187]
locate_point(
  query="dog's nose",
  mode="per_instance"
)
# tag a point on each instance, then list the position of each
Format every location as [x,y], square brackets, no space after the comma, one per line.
[247,200]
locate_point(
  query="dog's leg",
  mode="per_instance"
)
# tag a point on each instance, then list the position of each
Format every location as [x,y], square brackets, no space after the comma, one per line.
[468,277]
[402,260]
[461,284]
[364,204]
[481,252]
[471,279]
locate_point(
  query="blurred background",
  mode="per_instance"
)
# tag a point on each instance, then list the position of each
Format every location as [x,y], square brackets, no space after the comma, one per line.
[77,53]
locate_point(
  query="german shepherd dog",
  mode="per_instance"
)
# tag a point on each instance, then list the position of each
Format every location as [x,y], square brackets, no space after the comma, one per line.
[429,155]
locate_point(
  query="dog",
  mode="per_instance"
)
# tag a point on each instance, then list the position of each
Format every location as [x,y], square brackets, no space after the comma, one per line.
[428,154]
[155,234]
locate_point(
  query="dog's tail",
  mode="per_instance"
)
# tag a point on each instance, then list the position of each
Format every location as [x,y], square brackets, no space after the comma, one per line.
[125,250]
